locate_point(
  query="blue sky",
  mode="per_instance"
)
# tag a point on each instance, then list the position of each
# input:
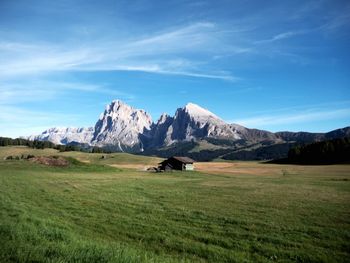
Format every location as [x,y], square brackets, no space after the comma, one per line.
[274,65]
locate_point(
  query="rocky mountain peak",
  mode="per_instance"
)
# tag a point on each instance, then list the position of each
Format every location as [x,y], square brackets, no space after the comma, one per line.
[64,135]
[124,128]
[121,125]
[117,106]
[163,118]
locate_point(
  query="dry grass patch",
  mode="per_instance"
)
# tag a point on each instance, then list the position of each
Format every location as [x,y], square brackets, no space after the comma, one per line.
[19,150]
[257,169]
[237,168]
[50,161]
[139,167]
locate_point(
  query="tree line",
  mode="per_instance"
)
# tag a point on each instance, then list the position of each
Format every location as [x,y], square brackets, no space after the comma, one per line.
[324,152]
[5,141]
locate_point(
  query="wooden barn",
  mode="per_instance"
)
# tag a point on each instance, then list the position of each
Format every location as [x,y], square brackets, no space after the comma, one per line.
[177,163]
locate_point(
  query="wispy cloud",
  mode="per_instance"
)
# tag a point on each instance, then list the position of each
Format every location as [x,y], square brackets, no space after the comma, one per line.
[157,68]
[337,22]
[197,33]
[281,36]
[17,121]
[42,90]
[130,55]
[298,117]
[40,59]
[332,18]
[318,107]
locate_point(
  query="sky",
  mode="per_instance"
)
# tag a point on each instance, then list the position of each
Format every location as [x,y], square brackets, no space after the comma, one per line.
[273,65]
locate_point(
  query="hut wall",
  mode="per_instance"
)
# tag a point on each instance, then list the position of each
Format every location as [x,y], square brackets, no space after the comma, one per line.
[189,167]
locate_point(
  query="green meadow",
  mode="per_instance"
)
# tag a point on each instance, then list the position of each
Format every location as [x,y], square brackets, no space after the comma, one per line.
[91,211]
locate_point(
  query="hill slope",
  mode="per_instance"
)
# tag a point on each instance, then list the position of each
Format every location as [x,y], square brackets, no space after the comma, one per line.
[334,151]
[246,212]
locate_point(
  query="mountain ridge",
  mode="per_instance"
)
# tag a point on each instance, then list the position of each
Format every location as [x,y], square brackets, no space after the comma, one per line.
[124,128]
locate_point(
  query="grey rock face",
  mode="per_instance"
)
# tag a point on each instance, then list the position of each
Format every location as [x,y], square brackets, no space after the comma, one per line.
[193,122]
[65,135]
[123,128]
[159,131]
[121,125]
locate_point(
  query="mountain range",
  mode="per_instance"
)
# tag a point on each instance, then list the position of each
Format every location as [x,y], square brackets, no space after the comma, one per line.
[192,131]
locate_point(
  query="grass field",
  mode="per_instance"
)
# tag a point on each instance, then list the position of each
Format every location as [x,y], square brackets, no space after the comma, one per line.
[91,211]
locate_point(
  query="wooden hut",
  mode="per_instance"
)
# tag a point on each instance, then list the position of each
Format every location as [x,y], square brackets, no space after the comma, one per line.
[177,163]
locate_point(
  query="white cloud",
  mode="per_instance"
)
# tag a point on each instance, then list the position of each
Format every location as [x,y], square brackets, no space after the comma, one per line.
[336,23]
[280,36]
[196,33]
[17,121]
[135,54]
[298,117]
[156,68]
[41,90]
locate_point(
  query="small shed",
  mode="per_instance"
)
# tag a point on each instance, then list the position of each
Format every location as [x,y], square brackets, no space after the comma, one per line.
[177,163]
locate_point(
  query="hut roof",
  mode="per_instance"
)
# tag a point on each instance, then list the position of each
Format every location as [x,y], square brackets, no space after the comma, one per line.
[183,159]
